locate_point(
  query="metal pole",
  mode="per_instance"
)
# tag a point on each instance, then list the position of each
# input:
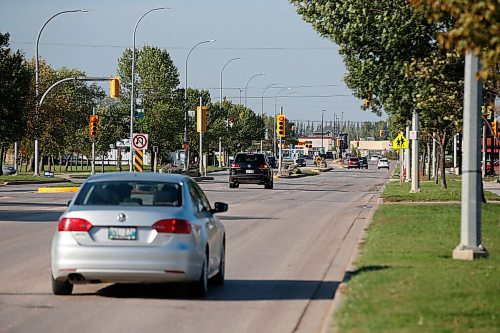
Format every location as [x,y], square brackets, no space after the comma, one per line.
[470,246]
[220,152]
[200,124]
[15,156]
[37,75]
[322,113]
[186,101]
[132,97]
[262,110]
[483,171]
[280,156]
[434,171]
[415,181]
[406,157]
[92,172]
[246,86]
[221,72]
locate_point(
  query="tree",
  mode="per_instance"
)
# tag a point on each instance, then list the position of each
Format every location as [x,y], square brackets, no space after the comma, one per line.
[393,58]
[15,79]
[475,27]
[156,82]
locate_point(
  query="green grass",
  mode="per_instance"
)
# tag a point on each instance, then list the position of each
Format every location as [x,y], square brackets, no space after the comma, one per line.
[22,178]
[408,282]
[429,191]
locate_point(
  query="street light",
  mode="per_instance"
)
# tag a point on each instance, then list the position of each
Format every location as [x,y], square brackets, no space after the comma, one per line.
[186,158]
[37,73]
[221,72]
[246,86]
[322,147]
[274,126]
[262,109]
[132,101]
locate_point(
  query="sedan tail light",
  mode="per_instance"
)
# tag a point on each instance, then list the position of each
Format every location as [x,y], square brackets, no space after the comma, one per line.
[73,224]
[173,226]
[264,166]
[235,165]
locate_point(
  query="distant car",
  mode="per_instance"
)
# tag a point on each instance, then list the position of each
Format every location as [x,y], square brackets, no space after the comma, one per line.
[300,162]
[329,155]
[363,163]
[383,163]
[272,161]
[139,228]
[353,162]
[251,168]
[8,170]
[374,158]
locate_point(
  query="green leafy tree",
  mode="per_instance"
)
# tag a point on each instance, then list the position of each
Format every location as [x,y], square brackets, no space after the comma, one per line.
[15,79]
[475,27]
[156,82]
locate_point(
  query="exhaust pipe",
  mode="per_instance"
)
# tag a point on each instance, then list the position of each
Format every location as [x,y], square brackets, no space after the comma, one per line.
[76,278]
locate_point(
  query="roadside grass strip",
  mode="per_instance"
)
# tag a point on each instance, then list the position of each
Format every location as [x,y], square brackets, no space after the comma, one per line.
[429,191]
[407,281]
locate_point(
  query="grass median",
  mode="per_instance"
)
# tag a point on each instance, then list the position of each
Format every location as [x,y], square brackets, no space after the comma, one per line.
[406,280]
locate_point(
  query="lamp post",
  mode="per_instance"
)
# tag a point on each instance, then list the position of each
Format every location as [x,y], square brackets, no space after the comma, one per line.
[262,109]
[132,100]
[246,86]
[222,71]
[322,147]
[37,73]
[186,159]
[275,101]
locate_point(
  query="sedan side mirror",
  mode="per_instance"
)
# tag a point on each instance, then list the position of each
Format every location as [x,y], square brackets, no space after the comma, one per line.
[220,207]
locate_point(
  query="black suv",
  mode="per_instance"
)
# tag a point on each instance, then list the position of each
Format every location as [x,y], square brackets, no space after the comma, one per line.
[251,168]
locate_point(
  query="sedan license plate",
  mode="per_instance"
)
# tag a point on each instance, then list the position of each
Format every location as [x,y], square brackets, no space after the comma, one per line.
[250,171]
[121,233]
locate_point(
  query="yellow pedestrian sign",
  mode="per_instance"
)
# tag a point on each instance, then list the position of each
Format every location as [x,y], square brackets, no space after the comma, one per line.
[400,142]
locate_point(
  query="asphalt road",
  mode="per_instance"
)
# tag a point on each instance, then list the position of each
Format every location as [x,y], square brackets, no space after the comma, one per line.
[287,251]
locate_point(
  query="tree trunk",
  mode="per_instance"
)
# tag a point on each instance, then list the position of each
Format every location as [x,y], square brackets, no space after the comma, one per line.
[102,163]
[2,148]
[66,165]
[428,160]
[119,158]
[29,165]
[40,164]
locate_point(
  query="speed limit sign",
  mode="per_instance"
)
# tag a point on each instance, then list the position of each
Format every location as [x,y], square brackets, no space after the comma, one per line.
[140,141]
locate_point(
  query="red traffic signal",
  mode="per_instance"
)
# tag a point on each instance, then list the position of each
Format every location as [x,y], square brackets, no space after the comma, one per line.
[93,119]
[280,125]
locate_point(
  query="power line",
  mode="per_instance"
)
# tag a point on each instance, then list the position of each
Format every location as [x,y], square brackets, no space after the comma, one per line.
[261,48]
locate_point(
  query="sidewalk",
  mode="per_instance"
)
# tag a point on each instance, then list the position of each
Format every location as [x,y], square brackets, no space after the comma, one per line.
[492,186]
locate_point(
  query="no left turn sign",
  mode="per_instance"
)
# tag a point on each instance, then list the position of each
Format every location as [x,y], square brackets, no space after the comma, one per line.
[140,141]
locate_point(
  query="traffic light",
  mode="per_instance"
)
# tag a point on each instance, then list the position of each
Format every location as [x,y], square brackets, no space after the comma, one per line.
[280,125]
[201,123]
[114,88]
[494,127]
[93,119]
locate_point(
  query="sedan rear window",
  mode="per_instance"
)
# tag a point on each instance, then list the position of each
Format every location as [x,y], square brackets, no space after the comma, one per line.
[130,193]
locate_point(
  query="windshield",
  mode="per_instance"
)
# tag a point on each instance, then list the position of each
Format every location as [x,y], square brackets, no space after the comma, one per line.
[250,158]
[130,193]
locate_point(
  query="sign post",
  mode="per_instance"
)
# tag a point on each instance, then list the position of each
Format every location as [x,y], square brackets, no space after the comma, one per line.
[140,143]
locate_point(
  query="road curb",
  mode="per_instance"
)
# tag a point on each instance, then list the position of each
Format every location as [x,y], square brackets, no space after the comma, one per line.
[58,189]
[329,325]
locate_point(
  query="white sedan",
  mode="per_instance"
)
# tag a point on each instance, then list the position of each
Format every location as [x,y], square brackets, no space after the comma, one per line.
[139,228]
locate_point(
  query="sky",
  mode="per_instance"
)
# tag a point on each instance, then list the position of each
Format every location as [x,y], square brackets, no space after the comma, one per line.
[269,36]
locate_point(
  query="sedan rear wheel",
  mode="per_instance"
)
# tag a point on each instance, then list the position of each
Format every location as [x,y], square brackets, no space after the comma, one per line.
[218,279]
[200,287]
[61,287]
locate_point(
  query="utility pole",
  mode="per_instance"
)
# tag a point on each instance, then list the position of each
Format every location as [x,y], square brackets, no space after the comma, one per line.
[470,246]
[407,156]
[92,172]
[415,181]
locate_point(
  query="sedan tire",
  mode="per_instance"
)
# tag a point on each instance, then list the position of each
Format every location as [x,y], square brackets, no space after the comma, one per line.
[218,279]
[61,287]
[200,287]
